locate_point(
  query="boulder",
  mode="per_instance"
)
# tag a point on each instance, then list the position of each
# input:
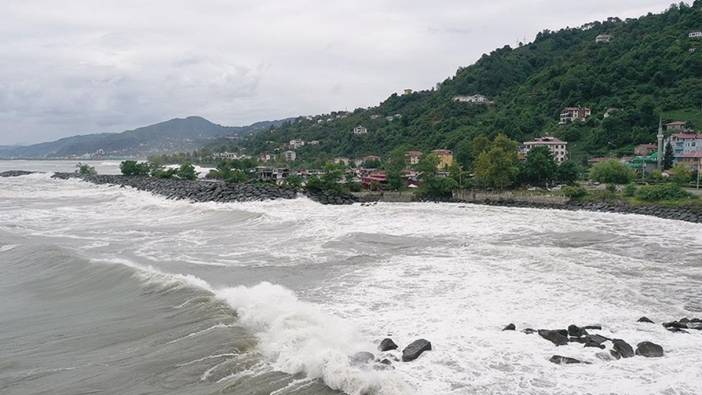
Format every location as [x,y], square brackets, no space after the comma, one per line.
[529,331]
[649,350]
[576,331]
[510,327]
[561,360]
[554,336]
[593,327]
[645,319]
[387,345]
[415,349]
[623,348]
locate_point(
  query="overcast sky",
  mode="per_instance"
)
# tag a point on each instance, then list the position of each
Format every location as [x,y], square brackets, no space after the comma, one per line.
[81,66]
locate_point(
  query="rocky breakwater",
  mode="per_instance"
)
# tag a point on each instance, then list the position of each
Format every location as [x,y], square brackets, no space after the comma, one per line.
[15,173]
[206,190]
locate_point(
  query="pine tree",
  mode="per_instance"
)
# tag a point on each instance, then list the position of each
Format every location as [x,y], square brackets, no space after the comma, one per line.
[668,157]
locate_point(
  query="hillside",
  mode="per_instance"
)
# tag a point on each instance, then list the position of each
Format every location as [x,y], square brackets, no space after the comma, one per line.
[650,68]
[170,136]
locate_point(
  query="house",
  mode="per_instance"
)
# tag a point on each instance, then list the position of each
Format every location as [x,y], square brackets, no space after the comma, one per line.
[295,144]
[677,126]
[687,147]
[413,157]
[313,142]
[557,147]
[266,157]
[445,158]
[342,161]
[225,155]
[603,38]
[474,99]
[374,180]
[360,130]
[645,149]
[572,114]
[289,156]
[408,91]
[695,35]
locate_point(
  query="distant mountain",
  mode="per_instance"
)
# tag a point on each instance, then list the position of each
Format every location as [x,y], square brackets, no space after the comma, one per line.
[176,135]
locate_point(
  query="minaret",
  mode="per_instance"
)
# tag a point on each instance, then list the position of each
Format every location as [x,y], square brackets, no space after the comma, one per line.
[661,149]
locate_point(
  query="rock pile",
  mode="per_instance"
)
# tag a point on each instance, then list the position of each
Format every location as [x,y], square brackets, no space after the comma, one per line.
[16,173]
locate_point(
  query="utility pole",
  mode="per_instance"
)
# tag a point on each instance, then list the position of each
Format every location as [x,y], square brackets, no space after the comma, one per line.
[699,170]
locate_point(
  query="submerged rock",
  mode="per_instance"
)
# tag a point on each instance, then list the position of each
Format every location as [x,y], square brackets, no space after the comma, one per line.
[649,350]
[361,358]
[554,336]
[387,345]
[645,319]
[561,360]
[623,348]
[529,331]
[415,349]
[510,327]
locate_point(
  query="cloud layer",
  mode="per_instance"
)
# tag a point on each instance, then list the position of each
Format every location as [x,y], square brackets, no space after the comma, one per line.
[85,66]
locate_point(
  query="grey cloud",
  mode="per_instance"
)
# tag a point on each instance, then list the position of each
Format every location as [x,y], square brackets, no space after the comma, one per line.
[87,66]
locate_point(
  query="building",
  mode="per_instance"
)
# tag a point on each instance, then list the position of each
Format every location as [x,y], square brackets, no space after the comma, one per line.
[313,142]
[557,147]
[360,130]
[687,147]
[408,91]
[695,35]
[445,158]
[374,180]
[374,116]
[289,156]
[474,99]
[603,38]
[266,157]
[572,114]
[645,149]
[225,155]
[413,157]
[296,144]
[677,126]
[342,161]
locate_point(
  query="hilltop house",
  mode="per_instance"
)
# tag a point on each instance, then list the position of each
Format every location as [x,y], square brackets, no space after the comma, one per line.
[445,158]
[677,126]
[413,157]
[295,144]
[266,157]
[474,99]
[558,148]
[360,130]
[603,38]
[687,147]
[695,35]
[289,156]
[572,114]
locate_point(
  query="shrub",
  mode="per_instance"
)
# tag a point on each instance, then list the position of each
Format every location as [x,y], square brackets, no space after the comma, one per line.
[630,190]
[86,170]
[652,193]
[134,168]
[612,172]
[681,174]
[294,181]
[574,192]
[186,171]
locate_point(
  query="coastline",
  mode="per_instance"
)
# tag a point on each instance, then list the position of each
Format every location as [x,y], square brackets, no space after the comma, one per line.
[217,191]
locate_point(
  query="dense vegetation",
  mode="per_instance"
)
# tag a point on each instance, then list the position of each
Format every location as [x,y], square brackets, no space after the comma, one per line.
[648,70]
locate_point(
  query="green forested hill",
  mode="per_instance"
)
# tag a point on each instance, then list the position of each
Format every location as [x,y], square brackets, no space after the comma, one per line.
[649,69]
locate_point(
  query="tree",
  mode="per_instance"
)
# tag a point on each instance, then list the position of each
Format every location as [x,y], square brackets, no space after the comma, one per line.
[86,170]
[497,166]
[539,168]
[132,168]
[668,157]
[681,174]
[186,171]
[434,185]
[394,167]
[612,172]
[294,181]
[567,173]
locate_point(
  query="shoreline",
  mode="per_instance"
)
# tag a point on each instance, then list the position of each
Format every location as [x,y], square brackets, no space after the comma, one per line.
[217,191]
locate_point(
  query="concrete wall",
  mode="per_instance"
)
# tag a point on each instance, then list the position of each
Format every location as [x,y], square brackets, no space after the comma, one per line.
[393,197]
[471,196]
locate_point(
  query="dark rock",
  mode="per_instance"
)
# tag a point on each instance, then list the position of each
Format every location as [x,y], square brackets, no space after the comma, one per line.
[387,345]
[386,362]
[599,339]
[16,173]
[593,327]
[594,345]
[645,319]
[529,331]
[675,324]
[554,336]
[510,327]
[677,330]
[575,331]
[415,349]
[623,348]
[361,358]
[649,350]
[615,354]
[561,360]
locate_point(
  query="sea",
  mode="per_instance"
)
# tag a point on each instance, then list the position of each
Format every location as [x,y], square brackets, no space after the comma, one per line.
[109,290]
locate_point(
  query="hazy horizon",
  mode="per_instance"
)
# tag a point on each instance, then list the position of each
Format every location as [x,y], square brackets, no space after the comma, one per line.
[85,68]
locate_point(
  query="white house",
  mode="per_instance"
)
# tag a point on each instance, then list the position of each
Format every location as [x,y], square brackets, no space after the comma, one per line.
[295,144]
[474,99]
[290,156]
[572,114]
[558,148]
[603,38]
[695,35]
[360,130]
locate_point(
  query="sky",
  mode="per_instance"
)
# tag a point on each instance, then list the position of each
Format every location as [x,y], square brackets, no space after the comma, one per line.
[84,66]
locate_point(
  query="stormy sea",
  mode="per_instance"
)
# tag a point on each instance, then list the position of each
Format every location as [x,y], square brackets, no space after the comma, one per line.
[111,290]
